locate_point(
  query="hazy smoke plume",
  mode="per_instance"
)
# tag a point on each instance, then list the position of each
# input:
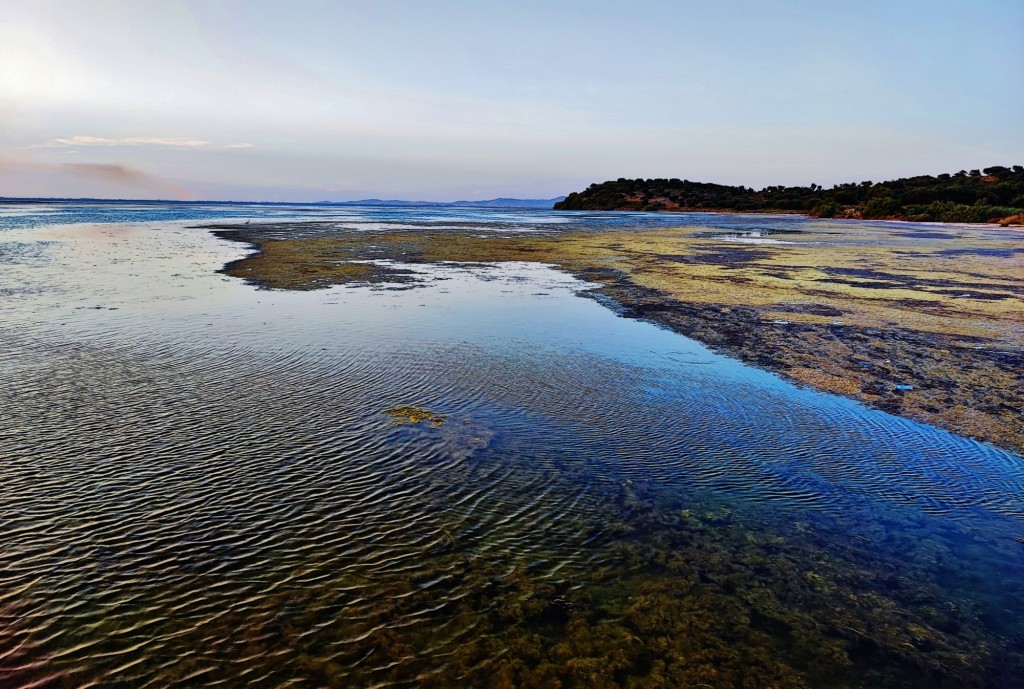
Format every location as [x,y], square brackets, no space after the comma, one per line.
[122,176]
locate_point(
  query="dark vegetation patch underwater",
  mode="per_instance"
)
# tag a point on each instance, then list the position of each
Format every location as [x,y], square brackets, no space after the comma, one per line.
[682,592]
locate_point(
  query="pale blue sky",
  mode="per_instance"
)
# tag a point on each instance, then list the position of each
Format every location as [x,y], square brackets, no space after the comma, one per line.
[441,100]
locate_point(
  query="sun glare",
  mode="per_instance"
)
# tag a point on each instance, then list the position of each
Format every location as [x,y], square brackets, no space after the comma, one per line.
[33,69]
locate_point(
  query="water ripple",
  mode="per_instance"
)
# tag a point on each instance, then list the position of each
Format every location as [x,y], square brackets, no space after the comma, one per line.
[222,502]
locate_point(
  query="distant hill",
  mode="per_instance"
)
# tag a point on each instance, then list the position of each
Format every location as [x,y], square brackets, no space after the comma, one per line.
[993,194]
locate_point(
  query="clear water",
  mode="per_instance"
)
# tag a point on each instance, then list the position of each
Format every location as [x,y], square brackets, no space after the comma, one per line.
[23,215]
[199,484]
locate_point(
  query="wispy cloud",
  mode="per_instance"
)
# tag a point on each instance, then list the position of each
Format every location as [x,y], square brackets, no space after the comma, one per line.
[135,142]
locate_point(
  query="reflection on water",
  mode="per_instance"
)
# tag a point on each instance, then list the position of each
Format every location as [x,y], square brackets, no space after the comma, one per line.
[201,485]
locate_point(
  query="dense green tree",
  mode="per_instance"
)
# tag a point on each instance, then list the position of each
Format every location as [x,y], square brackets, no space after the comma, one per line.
[959,197]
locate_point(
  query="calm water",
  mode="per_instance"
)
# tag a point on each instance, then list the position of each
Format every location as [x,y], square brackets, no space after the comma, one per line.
[199,484]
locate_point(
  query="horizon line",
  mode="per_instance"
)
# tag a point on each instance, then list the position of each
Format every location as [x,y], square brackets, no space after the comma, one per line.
[394,202]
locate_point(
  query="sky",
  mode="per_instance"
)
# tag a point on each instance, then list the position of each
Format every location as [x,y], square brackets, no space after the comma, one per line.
[450,99]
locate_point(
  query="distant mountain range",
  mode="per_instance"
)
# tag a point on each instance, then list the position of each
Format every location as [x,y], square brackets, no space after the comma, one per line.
[490,203]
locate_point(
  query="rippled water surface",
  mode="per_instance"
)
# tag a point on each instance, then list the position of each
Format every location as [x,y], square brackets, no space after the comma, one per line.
[200,485]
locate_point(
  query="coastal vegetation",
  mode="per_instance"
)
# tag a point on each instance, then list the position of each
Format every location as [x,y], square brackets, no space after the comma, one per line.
[995,194]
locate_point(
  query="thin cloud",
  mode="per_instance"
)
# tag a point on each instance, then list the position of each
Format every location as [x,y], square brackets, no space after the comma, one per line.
[135,142]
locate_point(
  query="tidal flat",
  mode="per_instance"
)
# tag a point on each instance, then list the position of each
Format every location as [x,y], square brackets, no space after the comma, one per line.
[371,448]
[920,320]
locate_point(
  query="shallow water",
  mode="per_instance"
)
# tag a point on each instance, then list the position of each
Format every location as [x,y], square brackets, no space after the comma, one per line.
[200,484]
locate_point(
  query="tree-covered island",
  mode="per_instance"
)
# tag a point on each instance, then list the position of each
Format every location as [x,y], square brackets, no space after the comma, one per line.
[995,194]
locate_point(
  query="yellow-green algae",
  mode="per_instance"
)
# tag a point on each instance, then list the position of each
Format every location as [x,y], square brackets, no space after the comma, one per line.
[402,415]
[926,323]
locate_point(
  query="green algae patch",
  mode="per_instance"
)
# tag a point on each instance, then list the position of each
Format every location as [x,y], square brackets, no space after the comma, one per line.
[413,415]
[308,265]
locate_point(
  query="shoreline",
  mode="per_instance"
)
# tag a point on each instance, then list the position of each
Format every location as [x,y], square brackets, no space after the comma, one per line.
[1001,222]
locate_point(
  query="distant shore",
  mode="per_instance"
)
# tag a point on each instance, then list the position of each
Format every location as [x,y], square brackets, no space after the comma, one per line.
[1009,221]
[995,194]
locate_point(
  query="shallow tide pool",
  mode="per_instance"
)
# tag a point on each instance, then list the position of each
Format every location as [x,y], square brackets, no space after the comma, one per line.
[200,485]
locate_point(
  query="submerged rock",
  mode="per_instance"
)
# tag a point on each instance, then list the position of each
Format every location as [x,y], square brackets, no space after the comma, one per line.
[402,415]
